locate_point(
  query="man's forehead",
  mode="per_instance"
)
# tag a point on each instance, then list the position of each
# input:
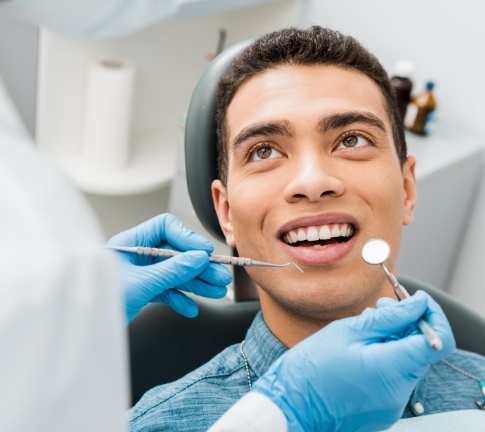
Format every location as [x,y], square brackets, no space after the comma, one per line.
[353,90]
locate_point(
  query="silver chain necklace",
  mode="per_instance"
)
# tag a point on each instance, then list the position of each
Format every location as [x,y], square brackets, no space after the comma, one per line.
[481,383]
[246,364]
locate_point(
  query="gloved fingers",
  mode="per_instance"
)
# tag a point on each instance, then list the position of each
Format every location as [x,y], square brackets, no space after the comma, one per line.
[204,289]
[432,313]
[391,319]
[436,318]
[413,351]
[151,233]
[164,228]
[129,237]
[385,301]
[216,274]
[172,272]
[381,302]
[131,312]
[182,238]
[179,302]
[387,322]
[419,348]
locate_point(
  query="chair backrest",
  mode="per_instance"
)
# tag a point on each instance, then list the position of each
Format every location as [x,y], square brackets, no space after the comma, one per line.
[201,156]
[468,327]
[164,345]
[201,139]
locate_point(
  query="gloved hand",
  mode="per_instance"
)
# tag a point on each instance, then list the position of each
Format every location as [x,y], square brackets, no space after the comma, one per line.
[357,374]
[154,279]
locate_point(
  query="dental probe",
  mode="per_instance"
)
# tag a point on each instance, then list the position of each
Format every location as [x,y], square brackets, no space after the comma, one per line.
[221,259]
[377,251]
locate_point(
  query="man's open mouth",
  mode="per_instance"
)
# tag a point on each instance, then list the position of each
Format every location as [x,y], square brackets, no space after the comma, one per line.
[319,236]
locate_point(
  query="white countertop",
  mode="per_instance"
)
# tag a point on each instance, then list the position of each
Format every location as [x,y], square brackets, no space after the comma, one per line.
[446,146]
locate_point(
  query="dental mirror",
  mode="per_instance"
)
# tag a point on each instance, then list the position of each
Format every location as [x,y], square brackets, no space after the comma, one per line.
[376,251]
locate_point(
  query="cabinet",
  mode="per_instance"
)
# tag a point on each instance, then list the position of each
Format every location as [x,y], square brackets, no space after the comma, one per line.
[449,169]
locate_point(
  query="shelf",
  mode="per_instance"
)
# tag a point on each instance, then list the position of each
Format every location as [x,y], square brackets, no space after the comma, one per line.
[152,166]
[444,148]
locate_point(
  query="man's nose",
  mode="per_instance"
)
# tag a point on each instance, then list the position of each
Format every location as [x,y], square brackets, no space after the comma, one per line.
[313,177]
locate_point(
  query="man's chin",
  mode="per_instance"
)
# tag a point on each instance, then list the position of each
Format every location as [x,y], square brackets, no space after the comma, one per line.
[314,304]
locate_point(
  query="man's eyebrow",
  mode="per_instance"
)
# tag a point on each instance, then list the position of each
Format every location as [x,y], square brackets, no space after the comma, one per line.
[340,120]
[282,128]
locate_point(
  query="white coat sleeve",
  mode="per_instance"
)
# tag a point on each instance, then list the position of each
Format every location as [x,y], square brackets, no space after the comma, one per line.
[63,362]
[254,412]
[93,18]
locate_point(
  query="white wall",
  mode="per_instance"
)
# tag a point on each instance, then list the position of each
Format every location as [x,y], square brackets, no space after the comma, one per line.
[445,40]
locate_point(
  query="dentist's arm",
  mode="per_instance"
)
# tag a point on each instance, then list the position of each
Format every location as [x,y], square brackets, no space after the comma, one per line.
[355,375]
[93,18]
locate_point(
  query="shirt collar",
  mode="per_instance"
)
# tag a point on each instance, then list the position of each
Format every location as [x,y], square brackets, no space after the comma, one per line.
[261,347]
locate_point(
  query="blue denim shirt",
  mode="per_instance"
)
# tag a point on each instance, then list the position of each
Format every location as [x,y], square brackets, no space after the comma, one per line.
[196,401]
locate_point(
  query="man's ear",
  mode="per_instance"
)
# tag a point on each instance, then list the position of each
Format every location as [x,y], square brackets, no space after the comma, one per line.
[221,204]
[410,189]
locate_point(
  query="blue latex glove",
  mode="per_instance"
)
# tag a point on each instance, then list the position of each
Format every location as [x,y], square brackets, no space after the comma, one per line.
[357,374]
[153,279]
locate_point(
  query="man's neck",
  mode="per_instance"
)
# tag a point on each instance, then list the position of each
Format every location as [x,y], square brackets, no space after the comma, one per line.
[291,327]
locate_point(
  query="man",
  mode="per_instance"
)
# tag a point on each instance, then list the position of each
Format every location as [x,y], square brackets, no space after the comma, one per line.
[312,164]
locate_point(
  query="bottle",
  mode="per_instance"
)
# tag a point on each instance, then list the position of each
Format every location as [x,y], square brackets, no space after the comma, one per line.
[420,113]
[402,85]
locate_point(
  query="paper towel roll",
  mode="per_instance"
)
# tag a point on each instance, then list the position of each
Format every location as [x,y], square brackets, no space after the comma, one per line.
[108,107]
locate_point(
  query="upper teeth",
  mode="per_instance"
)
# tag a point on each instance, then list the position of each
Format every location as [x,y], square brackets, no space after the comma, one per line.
[315,233]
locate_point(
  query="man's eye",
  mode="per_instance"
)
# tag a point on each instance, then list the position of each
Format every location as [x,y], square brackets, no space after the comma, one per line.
[265,152]
[352,141]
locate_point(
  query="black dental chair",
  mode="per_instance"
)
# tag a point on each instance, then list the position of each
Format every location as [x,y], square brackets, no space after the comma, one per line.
[163,345]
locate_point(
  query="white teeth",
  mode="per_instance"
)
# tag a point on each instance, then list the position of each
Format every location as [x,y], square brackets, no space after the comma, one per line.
[312,234]
[335,231]
[315,233]
[301,234]
[325,233]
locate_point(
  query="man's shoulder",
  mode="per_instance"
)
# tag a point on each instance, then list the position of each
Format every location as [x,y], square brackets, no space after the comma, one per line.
[195,401]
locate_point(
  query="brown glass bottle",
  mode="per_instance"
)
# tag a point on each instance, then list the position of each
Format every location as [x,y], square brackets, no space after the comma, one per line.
[420,111]
[402,85]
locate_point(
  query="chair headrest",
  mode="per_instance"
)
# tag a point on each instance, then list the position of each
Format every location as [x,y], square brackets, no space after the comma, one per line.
[201,139]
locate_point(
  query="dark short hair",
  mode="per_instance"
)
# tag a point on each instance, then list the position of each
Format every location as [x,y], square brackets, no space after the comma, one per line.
[304,47]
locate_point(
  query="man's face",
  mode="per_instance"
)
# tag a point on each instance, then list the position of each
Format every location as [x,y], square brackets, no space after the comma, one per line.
[313,174]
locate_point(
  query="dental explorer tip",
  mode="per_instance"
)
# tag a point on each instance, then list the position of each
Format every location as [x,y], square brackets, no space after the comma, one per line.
[296,266]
